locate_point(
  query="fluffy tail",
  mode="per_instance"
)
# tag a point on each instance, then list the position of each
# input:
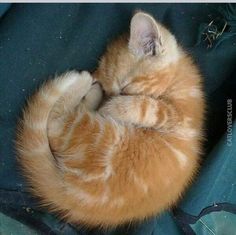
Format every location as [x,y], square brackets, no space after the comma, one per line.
[32,144]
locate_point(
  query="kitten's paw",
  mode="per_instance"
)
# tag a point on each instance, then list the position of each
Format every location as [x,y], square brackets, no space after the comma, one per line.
[76,80]
[94,97]
[85,81]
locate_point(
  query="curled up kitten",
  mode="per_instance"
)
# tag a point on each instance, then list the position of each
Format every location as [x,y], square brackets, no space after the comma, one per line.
[132,157]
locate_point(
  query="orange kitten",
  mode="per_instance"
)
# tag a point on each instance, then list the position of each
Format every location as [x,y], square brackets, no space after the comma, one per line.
[134,156]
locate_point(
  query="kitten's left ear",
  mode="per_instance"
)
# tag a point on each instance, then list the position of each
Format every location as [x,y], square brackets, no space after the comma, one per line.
[145,38]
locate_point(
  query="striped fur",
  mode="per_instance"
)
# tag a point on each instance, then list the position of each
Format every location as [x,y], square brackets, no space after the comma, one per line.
[132,157]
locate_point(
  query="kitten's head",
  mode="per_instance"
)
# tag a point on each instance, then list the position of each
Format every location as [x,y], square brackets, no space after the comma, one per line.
[149,46]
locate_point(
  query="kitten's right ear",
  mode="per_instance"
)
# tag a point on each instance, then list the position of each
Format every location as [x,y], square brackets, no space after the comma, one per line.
[145,38]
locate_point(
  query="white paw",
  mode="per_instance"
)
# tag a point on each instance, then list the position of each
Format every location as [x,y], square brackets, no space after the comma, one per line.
[85,81]
[81,81]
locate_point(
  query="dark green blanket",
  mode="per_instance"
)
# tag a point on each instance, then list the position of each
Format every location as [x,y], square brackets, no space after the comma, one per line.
[39,40]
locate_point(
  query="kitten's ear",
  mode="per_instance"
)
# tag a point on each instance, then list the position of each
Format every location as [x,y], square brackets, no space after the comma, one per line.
[145,38]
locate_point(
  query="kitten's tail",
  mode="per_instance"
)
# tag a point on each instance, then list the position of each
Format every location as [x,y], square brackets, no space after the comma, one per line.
[32,144]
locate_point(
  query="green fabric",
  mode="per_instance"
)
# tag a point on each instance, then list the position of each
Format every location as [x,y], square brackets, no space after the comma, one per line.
[220,223]
[3,8]
[9,226]
[217,180]
[39,40]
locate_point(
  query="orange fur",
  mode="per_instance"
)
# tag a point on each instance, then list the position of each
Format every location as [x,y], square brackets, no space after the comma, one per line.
[135,155]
